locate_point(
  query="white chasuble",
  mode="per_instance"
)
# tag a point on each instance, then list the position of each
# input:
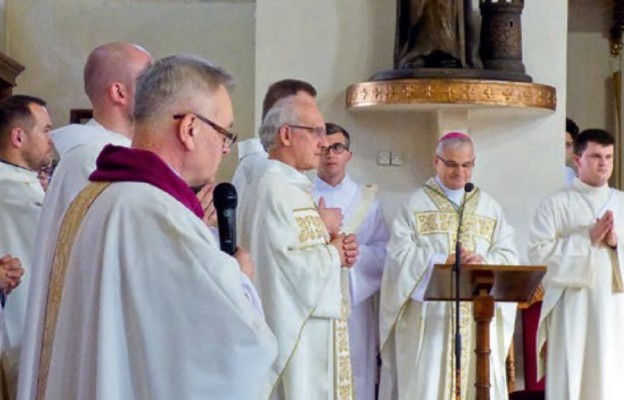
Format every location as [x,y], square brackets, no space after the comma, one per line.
[81,149]
[91,133]
[20,207]
[362,216]
[144,305]
[298,279]
[251,161]
[417,336]
[582,319]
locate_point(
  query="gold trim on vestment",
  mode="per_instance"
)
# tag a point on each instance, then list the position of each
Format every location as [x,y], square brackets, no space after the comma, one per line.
[445,220]
[343,374]
[312,232]
[69,228]
[280,375]
[306,209]
[311,229]
[366,199]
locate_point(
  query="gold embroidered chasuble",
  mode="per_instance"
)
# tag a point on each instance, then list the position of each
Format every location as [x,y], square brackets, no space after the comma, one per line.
[299,280]
[417,337]
[363,217]
[103,279]
[312,232]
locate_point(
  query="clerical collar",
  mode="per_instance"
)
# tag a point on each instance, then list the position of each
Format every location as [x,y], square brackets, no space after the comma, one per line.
[454,195]
[15,165]
[122,164]
[588,188]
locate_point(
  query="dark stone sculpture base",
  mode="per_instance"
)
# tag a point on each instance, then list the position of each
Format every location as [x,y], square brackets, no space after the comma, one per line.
[451,73]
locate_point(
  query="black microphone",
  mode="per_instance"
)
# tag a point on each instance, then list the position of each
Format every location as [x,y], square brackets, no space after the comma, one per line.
[468,187]
[225,201]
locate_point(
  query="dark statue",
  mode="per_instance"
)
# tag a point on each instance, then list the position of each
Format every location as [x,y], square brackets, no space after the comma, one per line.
[442,39]
[428,34]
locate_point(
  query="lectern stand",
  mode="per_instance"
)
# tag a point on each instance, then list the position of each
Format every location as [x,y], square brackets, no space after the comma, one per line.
[484,285]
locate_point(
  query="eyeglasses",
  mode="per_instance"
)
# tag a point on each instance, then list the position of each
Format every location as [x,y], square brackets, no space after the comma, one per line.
[229,137]
[454,165]
[336,148]
[318,131]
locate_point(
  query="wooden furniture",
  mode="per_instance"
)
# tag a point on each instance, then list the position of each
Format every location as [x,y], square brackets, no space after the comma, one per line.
[80,115]
[484,285]
[9,70]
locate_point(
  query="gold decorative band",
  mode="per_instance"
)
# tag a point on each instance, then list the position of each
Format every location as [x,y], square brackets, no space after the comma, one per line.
[65,242]
[451,91]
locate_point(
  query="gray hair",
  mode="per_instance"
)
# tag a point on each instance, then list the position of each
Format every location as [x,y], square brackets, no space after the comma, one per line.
[453,143]
[173,78]
[283,113]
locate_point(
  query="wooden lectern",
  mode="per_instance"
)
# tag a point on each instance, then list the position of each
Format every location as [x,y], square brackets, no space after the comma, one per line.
[484,285]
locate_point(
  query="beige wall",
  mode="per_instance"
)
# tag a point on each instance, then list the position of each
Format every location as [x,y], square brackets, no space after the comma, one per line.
[590,85]
[53,37]
[334,43]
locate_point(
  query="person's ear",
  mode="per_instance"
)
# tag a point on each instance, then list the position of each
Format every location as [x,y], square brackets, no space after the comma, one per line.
[186,132]
[18,136]
[577,161]
[118,93]
[284,135]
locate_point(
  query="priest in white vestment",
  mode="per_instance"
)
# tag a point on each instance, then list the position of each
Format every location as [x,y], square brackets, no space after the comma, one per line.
[252,159]
[298,264]
[110,74]
[252,156]
[572,131]
[362,216]
[578,234]
[25,148]
[142,303]
[417,336]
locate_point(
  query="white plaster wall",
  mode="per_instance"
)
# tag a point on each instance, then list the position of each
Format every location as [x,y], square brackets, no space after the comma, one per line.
[52,38]
[333,43]
[522,157]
